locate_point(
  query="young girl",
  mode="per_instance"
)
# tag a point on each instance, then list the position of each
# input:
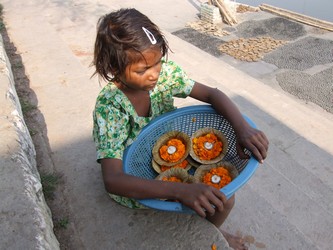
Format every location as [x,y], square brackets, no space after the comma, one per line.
[130,53]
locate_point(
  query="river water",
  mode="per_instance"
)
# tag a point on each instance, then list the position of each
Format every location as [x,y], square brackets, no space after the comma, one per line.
[320,9]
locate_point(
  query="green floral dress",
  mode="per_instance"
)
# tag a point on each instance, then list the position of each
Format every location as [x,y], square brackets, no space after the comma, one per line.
[116,123]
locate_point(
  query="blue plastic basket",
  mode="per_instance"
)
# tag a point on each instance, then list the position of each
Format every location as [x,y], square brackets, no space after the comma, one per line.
[137,157]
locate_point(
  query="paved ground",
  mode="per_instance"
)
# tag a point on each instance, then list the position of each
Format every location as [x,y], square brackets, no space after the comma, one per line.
[288,204]
[302,66]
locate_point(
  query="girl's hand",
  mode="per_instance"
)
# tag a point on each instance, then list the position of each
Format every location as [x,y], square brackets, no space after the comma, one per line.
[203,199]
[247,137]
[253,140]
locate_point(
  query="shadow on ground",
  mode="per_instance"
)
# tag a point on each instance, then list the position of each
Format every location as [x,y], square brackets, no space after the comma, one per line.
[95,216]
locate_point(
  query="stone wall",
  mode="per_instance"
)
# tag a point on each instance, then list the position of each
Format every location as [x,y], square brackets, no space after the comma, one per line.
[25,218]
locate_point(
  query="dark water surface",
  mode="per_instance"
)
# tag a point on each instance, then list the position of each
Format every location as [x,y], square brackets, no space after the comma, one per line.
[320,9]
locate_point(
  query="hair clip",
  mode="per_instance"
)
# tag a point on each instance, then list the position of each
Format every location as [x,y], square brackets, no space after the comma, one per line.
[149,35]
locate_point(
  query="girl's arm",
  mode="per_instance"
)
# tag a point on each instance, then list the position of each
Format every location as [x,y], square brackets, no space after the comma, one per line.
[199,197]
[247,137]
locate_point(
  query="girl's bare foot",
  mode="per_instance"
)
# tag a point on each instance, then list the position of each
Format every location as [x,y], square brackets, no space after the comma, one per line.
[235,242]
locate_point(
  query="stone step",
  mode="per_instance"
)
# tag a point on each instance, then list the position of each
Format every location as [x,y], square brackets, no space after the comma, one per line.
[293,186]
[66,97]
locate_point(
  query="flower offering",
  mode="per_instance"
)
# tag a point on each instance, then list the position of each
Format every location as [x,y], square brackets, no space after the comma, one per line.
[217,177]
[175,175]
[172,179]
[208,146]
[182,165]
[171,149]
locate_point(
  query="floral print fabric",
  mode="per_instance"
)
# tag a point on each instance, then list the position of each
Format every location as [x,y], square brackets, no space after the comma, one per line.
[116,123]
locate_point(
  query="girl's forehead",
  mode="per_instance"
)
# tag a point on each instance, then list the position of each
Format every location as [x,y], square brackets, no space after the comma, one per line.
[146,58]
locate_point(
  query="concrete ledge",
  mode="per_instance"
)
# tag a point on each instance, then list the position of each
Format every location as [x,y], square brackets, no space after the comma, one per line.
[24,214]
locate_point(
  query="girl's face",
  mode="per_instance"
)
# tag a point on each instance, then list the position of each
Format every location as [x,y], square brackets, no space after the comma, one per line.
[143,74]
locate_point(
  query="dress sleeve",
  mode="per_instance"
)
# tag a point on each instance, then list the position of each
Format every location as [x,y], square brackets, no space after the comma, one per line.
[110,132]
[175,80]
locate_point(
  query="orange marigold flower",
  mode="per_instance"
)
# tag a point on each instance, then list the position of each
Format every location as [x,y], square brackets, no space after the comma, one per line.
[207,147]
[217,177]
[172,179]
[183,165]
[173,150]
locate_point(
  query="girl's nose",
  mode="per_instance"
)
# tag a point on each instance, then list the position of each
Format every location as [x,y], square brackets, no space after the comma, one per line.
[154,74]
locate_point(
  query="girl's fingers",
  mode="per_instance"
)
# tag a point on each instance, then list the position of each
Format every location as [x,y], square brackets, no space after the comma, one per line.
[212,201]
[209,208]
[263,141]
[240,152]
[257,144]
[218,201]
[262,146]
[204,209]
[257,154]
[200,211]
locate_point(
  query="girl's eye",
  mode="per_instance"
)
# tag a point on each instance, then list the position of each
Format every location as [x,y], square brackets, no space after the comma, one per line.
[141,72]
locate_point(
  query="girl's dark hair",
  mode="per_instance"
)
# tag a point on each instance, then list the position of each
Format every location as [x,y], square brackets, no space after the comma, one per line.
[118,34]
